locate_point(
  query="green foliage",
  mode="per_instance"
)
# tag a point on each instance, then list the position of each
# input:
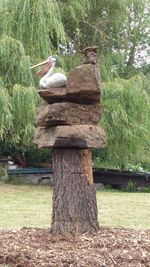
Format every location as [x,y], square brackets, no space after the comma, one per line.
[24,117]
[17,114]
[118,28]
[72,13]
[131,187]
[126,106]
[36,157]
[71,61]
[14,66]
[6,118]
[145,190]
[14,180]
[31,30]
[2,172]
[37,24]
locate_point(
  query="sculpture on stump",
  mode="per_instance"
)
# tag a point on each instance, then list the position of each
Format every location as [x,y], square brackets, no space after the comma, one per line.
[68,124]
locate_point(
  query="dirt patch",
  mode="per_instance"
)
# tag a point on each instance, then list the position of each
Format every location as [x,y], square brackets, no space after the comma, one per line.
[30,247]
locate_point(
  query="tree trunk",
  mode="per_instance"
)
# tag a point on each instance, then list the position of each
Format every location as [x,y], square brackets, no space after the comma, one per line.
[74,196]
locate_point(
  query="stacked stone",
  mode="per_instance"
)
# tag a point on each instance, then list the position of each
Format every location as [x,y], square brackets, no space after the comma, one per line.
[71,114]
[68,123]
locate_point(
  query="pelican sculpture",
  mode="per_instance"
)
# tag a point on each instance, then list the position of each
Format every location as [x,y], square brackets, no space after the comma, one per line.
[50,78]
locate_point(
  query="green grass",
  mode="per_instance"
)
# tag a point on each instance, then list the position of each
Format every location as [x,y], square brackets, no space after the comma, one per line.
[130,210]
[25,206]
[22,205]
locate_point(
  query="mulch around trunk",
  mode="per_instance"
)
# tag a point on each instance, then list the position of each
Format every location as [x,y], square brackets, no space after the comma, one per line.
[30,247]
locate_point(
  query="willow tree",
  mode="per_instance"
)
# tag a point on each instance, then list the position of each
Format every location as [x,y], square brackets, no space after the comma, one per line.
[126,105]
[6,118]
[119,28]
[29,30]
[36,24]
[15,64]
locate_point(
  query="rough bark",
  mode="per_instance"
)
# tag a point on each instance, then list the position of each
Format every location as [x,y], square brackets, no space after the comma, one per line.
[74,197]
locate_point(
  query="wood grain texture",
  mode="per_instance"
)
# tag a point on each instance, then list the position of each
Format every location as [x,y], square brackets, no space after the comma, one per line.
[67,113]
[74,196]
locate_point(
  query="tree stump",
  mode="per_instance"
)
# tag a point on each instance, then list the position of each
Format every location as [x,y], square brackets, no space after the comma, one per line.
[69,123]
[74,196]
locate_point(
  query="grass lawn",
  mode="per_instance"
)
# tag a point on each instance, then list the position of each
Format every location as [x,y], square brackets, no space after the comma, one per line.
[30,206]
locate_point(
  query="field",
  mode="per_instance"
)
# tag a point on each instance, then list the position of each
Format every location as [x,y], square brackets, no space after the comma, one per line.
[31,206]
[27,207]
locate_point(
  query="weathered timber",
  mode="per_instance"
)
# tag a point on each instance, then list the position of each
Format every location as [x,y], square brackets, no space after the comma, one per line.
[77,136]
[90,55]
[74,197]
[68,124]
[53,95]
[66,113]
[83,83]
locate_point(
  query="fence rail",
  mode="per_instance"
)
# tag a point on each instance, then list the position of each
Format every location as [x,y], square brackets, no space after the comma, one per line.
[115,178]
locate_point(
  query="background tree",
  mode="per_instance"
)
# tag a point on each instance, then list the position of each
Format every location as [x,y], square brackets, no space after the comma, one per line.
[126,115]
[119,28]
[31,30]
[27,33]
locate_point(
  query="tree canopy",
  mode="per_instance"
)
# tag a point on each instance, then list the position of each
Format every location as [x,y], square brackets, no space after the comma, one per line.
[32,30]
[126,105]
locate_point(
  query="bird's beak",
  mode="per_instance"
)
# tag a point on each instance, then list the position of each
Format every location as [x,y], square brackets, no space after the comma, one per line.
[39,64]
[47,64]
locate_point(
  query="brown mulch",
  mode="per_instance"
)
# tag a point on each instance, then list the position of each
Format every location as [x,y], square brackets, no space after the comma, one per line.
[30,247]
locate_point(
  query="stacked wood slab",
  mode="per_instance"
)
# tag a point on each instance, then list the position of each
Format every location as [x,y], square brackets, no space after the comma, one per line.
[71,115]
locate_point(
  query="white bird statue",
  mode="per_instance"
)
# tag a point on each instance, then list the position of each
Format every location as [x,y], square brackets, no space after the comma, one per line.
[50,78]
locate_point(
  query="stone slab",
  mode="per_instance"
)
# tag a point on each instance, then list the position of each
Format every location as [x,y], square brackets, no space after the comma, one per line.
[83,83]
[80,136]
[53,95]
[66,113]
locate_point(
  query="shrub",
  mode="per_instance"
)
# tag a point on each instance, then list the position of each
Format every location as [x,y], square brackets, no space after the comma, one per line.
[131,186]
